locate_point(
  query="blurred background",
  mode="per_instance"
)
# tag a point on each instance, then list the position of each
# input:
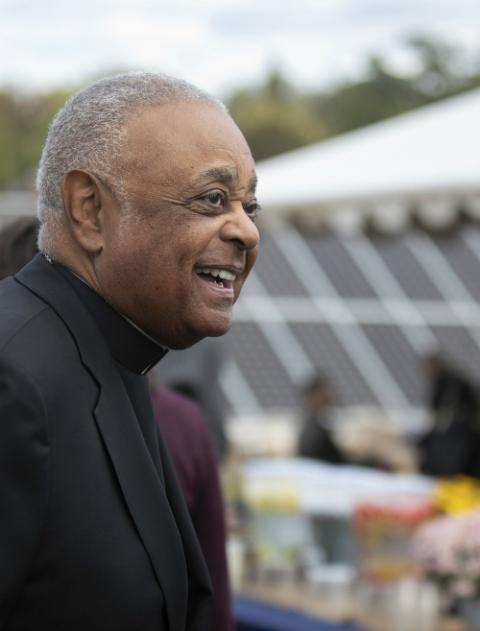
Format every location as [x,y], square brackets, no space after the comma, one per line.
[349,381]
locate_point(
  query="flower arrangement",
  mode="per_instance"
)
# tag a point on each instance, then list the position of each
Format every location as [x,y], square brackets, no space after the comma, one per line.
[383,532]
[449,550]
[457,495]
[375,518]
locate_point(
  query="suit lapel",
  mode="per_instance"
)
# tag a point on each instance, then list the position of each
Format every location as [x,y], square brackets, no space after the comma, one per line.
[146,499]
[116,420]
[139,394]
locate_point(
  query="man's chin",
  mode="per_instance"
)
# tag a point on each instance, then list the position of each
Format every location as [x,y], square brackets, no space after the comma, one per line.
[216,327]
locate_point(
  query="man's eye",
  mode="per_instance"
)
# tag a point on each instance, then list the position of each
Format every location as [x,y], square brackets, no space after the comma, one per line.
[252,209]
[215,198]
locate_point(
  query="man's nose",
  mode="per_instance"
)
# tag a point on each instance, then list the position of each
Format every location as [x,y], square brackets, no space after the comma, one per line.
[240,228]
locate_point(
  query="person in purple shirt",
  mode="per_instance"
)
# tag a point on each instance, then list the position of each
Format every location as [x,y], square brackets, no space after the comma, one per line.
[191,448]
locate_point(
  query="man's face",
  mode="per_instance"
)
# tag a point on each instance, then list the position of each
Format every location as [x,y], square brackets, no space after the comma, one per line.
[178,266]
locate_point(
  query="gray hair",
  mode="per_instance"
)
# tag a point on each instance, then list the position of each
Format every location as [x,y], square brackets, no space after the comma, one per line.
[89,132]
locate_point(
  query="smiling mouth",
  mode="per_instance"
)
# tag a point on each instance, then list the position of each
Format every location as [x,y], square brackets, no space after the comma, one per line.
[221,278]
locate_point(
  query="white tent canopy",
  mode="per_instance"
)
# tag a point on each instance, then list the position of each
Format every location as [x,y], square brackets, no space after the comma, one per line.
[428,157]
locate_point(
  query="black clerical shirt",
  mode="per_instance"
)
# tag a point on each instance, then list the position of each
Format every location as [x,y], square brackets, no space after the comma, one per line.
[130,347]
[135,353]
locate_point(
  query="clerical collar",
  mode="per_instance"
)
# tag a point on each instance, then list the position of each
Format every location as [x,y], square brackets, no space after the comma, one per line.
[129,345]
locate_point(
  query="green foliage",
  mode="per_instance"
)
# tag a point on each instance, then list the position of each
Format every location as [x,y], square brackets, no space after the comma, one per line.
[24,121]
[275,119]
[380,95]
[274,116]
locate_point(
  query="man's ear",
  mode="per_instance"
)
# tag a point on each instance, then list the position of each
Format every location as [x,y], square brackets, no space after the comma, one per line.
[83,201]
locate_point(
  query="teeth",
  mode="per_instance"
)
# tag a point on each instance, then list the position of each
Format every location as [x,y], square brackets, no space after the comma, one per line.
[226,275]
[218,273]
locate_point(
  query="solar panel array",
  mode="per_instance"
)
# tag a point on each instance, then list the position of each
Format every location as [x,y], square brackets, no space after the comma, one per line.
[362,309]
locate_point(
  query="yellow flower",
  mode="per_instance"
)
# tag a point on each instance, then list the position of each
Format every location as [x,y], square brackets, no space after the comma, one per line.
[457,495]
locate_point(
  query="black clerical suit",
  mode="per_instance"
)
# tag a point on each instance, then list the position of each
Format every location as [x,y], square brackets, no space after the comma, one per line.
[94,533]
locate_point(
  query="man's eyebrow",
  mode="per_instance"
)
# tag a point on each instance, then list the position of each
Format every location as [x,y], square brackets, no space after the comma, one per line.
[227,175]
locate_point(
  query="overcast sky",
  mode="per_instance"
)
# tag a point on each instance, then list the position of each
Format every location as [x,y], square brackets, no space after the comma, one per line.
[218,44]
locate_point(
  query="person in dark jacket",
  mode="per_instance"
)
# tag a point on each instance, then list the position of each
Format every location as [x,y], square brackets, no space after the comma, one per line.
[142,249]
[183,428]
[316,440]
[18,245]
[451,446]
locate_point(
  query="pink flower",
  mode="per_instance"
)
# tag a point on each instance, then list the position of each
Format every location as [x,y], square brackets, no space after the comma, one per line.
[449,548]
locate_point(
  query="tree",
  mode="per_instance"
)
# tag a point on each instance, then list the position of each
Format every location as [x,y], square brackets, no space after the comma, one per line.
[274,118]
[24,120]
[379,95]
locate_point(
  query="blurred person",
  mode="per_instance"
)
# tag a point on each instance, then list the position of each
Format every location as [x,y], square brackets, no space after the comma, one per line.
[451,446]
[146,201]
[316,440]
[18,245]
[184,431]
[199,370]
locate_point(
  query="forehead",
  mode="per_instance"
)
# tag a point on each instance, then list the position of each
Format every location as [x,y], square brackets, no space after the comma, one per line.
[197,141]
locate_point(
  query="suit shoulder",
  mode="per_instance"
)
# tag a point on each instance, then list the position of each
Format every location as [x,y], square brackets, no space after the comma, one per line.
[31,333]
[18,307]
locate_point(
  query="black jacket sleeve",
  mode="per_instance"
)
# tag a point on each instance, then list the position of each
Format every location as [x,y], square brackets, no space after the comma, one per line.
[24,456]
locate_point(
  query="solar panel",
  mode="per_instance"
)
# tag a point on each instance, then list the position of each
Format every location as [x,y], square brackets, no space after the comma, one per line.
[347,279]
[330,357]
[457,344]
[375,308]
[465,264]
[275,272]
[399,356]
[260,366]
[414,280]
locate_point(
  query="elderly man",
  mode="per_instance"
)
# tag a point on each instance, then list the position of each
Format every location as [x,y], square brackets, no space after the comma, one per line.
[146,198]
